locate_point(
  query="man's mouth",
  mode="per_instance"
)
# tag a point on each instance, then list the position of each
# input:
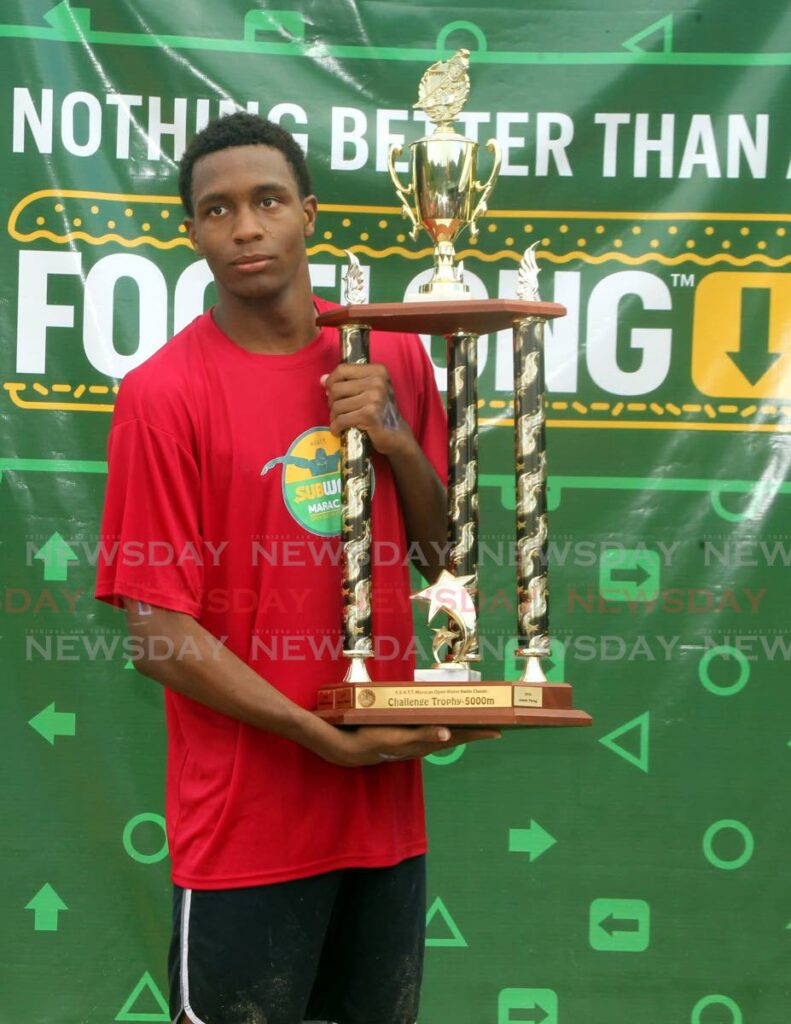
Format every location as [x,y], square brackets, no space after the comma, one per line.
[251,263]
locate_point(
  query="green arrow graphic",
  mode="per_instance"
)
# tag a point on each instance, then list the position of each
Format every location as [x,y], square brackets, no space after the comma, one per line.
[620,926]
[50,723]
[533,841]
[46,905]
[663,25]
[753,358]
[532,1015]
[611,924]
[454,938]
[56,555]
[146,984]
[536,1005]
[629,574]
[536,1015]
[637,576]
[70,23]
[640,723]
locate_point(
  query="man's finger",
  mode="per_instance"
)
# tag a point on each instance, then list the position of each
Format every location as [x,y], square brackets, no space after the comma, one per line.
[465,735]
[347,388]
[353,371]
[362,400]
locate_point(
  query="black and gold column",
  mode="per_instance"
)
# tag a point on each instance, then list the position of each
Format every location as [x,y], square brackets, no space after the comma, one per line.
[356,524]
[463,474]
[531,495]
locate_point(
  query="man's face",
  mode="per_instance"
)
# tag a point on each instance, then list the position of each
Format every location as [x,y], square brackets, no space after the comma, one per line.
[250,221]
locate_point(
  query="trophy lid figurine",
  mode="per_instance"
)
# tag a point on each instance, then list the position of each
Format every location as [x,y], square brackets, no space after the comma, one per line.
[443,184]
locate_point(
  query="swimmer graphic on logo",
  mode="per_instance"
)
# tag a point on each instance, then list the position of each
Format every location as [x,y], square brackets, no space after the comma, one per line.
[319,465]
[312,481]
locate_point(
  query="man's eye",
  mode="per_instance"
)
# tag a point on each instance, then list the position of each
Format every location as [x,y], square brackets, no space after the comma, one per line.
[269,201]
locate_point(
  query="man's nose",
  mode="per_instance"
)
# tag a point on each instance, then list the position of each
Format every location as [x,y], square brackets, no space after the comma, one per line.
[247,225]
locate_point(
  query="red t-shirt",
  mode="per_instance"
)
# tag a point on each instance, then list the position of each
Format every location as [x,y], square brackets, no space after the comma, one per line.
[223,502]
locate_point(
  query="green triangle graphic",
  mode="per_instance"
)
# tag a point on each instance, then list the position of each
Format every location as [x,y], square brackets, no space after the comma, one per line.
[454,938]
[146,983]
[663,25]
[639,760]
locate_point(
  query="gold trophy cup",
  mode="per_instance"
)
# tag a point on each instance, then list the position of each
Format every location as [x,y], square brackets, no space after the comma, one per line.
[443,184]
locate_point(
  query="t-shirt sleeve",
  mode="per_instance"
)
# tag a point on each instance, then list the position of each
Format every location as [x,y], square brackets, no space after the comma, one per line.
[150,543]
[431,422]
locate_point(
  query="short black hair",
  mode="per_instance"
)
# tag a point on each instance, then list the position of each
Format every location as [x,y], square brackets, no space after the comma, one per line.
[242,129]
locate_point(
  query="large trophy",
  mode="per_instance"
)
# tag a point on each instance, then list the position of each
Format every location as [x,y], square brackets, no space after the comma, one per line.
[444,197]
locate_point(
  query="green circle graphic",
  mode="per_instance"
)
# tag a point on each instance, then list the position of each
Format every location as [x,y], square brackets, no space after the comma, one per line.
[131,825]
[466,26]
[720,652]
[708,844]
[716,1000]
[450,757]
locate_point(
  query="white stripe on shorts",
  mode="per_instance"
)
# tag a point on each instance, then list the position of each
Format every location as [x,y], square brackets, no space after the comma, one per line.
[184,972]
[185,938]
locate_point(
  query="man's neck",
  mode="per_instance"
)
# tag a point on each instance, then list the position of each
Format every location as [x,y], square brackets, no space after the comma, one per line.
[277,326]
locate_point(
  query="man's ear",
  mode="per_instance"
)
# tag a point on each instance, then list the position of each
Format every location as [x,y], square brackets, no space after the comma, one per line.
[189,224]
[310,208]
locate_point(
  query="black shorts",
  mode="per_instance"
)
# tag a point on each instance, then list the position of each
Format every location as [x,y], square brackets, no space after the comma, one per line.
[345,946]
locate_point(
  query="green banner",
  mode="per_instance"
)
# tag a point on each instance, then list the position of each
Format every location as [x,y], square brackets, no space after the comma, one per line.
[618,875]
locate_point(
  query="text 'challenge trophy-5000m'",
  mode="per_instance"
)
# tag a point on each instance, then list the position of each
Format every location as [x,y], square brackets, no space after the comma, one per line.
[444,197]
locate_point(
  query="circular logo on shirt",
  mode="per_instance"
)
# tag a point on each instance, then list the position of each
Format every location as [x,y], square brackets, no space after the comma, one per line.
[312,481]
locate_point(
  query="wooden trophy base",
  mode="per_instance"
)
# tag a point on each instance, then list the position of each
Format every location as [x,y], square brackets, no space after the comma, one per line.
[463,704]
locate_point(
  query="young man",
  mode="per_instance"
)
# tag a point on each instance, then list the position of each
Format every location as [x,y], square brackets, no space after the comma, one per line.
[297,848]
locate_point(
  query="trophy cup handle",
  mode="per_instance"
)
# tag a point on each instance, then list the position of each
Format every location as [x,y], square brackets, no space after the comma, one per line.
[486,189]
[403,191]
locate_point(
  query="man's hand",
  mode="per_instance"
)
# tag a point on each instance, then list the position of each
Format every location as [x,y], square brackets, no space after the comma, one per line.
[213,675]
[362,396]
[378,744]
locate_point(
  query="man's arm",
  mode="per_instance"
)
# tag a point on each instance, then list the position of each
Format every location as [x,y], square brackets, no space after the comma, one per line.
[362,396]
[213,675]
